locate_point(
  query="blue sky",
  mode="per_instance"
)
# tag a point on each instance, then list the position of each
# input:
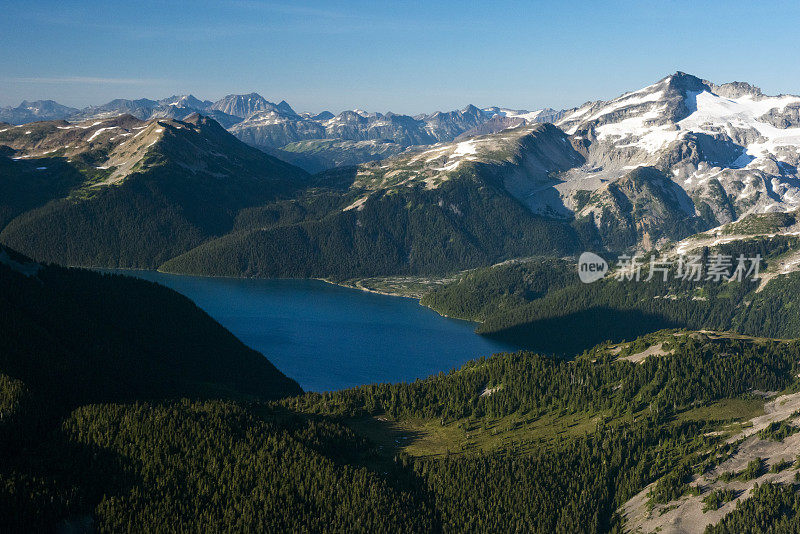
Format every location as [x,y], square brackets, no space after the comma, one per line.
[407,57]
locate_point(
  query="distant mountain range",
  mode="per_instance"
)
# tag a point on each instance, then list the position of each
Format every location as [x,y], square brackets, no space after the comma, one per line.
[273,127]
[40,110]
[451,190]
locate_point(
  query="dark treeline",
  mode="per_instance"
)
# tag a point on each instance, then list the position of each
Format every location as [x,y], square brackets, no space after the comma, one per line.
[190,466]
[296,466]
[140,223]
[485,292]
[574,486]
[23,186]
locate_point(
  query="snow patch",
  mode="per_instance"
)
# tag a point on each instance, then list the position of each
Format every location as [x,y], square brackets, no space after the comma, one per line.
[98,132]
[465,147]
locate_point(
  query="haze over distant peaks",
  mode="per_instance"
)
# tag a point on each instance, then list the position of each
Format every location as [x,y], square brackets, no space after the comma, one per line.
[40,110]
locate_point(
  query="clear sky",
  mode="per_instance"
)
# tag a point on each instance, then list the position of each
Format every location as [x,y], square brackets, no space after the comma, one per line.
[407,57]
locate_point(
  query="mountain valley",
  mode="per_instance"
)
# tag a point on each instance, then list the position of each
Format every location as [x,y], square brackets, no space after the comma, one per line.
[654,405]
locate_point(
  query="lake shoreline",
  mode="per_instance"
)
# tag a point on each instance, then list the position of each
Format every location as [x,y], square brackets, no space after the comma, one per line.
[355,283]
[331,336]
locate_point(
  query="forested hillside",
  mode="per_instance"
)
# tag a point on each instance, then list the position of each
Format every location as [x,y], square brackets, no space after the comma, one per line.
[188,196]
[127,193]
[466,222]
[554,446]
[80,337]
[199,466]
[543,305]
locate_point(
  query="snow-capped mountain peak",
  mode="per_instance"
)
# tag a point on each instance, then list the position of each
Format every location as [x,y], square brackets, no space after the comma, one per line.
[733,149]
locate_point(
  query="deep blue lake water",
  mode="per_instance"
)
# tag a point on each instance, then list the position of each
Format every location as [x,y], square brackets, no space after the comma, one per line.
[329,337]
